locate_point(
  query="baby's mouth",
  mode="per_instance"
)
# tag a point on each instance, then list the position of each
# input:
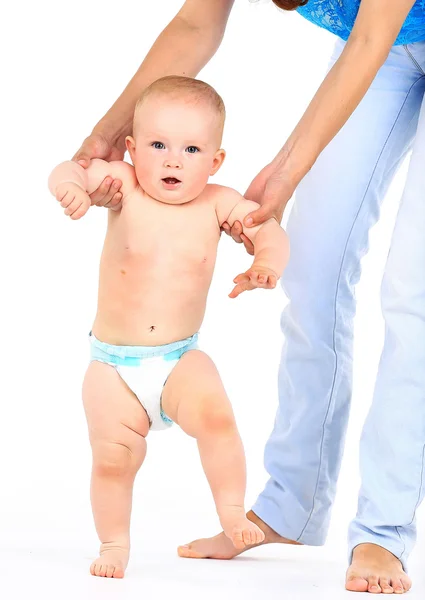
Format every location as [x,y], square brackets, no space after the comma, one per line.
[171,180]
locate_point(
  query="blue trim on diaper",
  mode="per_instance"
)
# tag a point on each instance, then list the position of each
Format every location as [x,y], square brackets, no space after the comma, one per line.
[165,418]
[176,355]
[132,355]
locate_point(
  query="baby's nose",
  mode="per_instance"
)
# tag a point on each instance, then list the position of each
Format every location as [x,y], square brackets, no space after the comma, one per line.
[173,163]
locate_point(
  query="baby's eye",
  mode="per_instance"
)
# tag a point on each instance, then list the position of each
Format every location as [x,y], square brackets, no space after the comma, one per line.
[158,145]
[192,149]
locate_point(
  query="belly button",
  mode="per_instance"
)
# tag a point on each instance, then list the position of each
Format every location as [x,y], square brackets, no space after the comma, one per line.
[122,271]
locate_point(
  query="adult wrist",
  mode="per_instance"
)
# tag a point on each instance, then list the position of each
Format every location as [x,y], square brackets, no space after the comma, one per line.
[293,162]
[113,133]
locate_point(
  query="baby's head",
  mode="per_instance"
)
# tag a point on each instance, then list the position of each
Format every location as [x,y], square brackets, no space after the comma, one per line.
[177,131]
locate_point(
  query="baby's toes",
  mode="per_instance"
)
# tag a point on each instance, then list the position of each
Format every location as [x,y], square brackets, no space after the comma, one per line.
[247,536]
[96,568]
[101,570]
[118,572]
[110,571]
[238,538]
[257,536]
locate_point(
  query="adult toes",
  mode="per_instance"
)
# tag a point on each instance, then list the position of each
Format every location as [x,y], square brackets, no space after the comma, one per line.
[398,586]
[406,582]
[355,583]
[385,586]
[374,587]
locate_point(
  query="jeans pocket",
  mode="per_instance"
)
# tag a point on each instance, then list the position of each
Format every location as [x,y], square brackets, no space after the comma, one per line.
[416,53]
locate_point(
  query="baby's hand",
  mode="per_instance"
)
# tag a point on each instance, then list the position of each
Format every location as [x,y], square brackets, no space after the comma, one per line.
[255,277]
[73,199]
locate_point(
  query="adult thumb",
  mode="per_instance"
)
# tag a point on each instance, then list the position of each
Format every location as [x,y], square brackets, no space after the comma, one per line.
[83,157]
[259,216]
[92,147]
[84,162]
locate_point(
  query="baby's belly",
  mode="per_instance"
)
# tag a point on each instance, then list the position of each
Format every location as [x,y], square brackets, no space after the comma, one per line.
[148,302]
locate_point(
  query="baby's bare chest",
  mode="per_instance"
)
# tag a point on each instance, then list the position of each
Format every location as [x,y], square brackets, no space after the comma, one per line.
[178,239]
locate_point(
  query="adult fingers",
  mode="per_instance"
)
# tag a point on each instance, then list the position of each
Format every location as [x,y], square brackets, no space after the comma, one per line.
[115,202]
[236,232]
[249,246]
[105,192]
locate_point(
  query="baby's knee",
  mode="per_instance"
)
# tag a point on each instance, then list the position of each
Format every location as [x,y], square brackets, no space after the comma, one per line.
[214,421]
[116,460]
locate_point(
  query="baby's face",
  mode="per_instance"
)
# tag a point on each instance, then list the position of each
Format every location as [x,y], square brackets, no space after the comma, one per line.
[176,147]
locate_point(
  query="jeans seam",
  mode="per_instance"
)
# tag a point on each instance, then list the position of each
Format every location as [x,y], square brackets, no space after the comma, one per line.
[335,305]
[419,497]
[402,541]
[413,59]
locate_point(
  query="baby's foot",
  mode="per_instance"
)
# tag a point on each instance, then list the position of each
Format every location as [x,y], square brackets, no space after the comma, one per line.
[240,530]
[221,547]
[112,562]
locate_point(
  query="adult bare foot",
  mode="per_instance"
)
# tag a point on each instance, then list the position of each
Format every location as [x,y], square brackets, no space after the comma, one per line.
[221,547]
[376,570]
[112,562]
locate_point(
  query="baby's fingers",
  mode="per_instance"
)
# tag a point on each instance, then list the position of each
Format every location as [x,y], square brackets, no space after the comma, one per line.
[253,277]
[267,281]
[73,206]
[76,209]
[236,291]
[240,278]
[241,287]
[66,199]
[79,212]
[272,281]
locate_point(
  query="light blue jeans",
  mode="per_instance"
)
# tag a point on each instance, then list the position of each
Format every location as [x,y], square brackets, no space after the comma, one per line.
[335,207]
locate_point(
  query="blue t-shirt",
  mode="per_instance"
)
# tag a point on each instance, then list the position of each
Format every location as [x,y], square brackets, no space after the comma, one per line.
[338,16]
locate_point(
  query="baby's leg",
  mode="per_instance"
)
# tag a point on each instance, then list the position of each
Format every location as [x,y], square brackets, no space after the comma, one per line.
[118,425]
[194,397]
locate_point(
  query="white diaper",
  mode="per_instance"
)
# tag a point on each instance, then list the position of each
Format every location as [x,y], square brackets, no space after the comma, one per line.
[145,369]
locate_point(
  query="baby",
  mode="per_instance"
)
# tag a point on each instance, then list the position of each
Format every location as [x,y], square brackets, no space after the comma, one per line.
[146,370]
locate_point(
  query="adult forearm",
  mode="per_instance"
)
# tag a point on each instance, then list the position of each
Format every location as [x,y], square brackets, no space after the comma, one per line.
[337,98]
[181,49]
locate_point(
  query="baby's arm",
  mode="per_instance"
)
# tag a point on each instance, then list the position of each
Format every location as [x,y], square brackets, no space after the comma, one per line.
[71,184]
[271,244]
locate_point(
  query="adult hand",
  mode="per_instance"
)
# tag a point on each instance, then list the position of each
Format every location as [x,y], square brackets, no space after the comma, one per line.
[272,191]
[98,146]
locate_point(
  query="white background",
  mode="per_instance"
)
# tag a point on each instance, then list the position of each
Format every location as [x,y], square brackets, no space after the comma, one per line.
[64,65]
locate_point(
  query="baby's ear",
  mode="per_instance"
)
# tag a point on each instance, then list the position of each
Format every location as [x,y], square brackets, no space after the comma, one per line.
[131,146]
[219,157]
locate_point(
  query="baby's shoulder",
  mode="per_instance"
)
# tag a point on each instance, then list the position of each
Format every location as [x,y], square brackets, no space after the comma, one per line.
[220,194]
